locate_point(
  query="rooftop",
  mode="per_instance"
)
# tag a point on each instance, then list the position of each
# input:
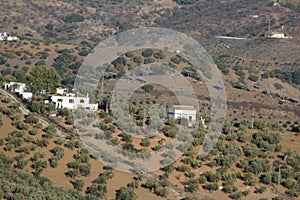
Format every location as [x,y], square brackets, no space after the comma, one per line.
[184,107]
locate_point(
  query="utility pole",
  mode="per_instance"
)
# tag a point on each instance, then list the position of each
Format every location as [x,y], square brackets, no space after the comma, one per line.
[253,116]
[279,174]
[164,110]
[144,118]
[102,87]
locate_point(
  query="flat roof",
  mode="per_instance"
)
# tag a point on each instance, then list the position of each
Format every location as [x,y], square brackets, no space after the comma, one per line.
[188,71]
[184,107]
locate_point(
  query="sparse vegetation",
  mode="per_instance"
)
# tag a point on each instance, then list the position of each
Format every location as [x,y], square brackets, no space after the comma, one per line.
[50,53]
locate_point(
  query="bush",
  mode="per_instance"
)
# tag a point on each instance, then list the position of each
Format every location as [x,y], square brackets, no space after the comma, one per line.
[177,60]
[21,163]
[253,78]
[185,2]
[125,193]
[126,137]
[20,125]
[211,186]
[159,55]
[31,119]
[147,88]
[2,61]
[147,53]
[73,18]
[246,192]
[85,169]
[64,112]
[293,193]
[58,152]
[229,188]
[145,142]
[69,120]
[50,131]
[39,164]
[129,54]
[98,190]
[37,156]
[38,107]
[59,141]
[53,162]
[78,184]
[149,60]
[137,59]
[237,195]
[72,173]
[33,132]
[260,190]
[44,142]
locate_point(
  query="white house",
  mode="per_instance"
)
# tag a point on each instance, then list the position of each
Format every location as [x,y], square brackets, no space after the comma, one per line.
[72,101]
[277,35]
[15,87]
[19,88]
[7,37]
[12,38]
[182,111]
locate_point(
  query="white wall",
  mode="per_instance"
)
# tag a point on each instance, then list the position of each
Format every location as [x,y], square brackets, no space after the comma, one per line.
[187,114]
[66,102]
[26,95]
[19,87]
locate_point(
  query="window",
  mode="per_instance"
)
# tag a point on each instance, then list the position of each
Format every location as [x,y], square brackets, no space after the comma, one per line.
[60,100]
[81,101]
[71,100]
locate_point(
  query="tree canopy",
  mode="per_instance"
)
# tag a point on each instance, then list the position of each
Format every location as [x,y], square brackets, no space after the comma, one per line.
[44,79]
[125,193]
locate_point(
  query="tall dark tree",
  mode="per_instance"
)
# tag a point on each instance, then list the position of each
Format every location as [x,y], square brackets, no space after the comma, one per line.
[44,79]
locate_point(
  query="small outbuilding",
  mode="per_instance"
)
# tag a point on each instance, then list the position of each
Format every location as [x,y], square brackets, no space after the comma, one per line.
[183,111]
[15,87]
[20,89]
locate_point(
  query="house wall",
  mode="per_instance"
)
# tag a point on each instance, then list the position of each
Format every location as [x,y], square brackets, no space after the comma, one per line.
[60,90]
[26,95]
[15,86]
[187,114]
[71,102]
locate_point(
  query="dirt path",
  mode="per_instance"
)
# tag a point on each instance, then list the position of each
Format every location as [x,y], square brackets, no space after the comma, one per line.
[178,193]
[25,111]
[21,107]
